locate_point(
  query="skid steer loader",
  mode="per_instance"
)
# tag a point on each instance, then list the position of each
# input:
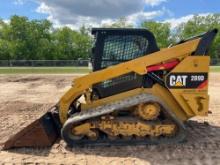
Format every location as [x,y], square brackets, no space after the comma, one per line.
[136,94]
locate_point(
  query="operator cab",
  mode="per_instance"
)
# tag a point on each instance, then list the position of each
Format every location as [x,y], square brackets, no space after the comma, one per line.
[113,46]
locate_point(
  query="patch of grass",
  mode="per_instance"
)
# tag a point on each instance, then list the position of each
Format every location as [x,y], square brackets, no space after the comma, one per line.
[58,70]
[215,68]
[43,70]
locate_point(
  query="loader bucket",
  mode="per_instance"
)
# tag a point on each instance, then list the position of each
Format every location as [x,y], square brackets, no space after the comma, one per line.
[41,133]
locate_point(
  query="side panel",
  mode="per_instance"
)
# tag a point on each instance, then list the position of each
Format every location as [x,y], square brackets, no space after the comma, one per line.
[165,95]
[188,83]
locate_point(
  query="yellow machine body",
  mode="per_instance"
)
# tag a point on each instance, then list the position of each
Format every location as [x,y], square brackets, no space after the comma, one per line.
[186,99]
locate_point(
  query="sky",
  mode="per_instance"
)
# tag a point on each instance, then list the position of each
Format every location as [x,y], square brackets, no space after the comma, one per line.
[75,13]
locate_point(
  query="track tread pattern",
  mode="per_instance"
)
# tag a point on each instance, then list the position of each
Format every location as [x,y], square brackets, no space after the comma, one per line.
[117,106]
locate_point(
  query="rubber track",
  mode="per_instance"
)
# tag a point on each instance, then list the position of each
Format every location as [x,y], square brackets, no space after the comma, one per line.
[117,106]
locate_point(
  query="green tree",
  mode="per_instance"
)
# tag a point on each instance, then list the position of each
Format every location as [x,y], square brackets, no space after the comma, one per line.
[160,30]
[83,43]
[40,35]
[63,43]
[70,44]
[27,38]
[201,24]
[5,45]
[22,38]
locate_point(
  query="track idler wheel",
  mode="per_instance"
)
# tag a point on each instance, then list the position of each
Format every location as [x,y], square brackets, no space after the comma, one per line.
[68,134]
[75,132]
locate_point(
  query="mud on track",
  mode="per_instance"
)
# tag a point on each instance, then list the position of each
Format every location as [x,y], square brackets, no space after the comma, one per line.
[25,97]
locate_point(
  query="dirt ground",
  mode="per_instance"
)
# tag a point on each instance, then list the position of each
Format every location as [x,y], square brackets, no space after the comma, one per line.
[25,97]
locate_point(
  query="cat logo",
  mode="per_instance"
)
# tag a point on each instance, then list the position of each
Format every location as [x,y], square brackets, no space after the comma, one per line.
[178,80]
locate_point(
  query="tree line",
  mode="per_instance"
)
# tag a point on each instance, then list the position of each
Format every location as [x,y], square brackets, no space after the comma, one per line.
[24,39]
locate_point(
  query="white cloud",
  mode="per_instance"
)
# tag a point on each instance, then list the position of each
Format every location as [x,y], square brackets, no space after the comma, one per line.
[154,2]
[174,22]
[75,13]
[143,16]
[4,21]
[7,21]
[96,8]
[43,8]
[133,19]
